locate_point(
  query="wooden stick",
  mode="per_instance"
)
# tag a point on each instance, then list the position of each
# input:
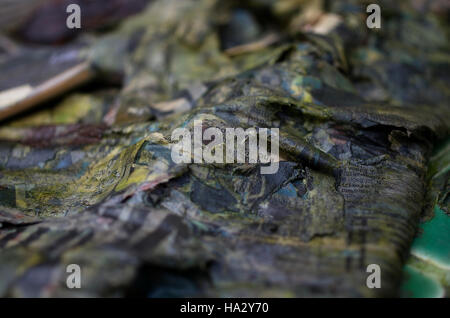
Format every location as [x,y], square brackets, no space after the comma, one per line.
[49,89]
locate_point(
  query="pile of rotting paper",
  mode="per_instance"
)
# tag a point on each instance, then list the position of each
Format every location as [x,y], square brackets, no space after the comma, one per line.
[87,175]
